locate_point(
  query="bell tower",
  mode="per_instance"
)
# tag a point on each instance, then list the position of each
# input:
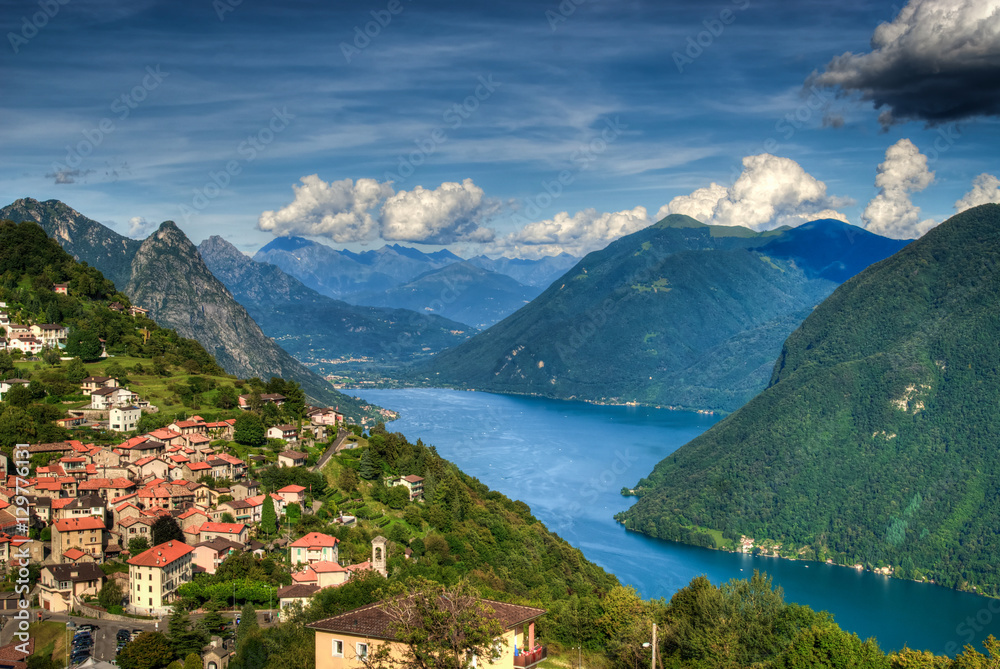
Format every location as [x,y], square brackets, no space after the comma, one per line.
[379,555]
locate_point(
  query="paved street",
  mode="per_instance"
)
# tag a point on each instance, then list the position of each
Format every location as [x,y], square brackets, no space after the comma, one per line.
[105,632]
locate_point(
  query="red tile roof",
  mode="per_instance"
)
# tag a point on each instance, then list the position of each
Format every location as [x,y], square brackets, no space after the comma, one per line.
[228,528]
[162,555]
[292,488]
[315,540]
[75,524]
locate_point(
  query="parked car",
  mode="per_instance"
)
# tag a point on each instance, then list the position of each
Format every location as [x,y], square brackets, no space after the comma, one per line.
[123,635]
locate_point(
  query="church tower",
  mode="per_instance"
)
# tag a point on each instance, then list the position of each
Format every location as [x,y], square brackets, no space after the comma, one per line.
[379,555]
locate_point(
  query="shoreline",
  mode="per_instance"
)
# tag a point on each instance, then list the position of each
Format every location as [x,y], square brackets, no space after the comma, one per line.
[976,593]
[662,407]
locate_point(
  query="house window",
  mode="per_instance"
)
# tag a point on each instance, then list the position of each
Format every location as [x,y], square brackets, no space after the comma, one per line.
[362,651]
[338,648]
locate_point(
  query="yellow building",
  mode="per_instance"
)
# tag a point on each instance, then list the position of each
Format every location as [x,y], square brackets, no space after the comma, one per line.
[342,641]
[154,576]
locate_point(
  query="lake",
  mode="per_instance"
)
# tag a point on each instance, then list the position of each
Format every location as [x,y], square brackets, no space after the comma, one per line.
[569,461]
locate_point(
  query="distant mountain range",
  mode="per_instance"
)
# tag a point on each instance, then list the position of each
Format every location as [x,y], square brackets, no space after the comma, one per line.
[678,314]
[166,274]
[402,277]
[875,442]
[314,327]
[461,291]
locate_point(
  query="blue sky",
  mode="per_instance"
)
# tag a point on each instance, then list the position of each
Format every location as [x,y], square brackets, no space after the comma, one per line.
[208,113]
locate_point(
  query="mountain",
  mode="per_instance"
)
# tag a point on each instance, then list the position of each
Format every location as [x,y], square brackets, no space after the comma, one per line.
[460,291]
[679,314]
[83,238]
[339,273]
[875,441]
[167,276]
[313,327]
[540,272]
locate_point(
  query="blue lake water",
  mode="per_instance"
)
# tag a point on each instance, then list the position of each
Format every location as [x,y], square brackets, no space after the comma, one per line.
[569,461]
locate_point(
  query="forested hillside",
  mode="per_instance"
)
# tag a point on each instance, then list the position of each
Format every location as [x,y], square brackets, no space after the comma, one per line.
[875,442]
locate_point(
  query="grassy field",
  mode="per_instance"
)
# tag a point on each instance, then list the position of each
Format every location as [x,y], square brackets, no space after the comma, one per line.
[50,639]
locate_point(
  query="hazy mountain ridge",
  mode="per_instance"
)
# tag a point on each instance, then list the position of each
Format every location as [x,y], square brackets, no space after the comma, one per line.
[312,326]
[678,314]
[461,291]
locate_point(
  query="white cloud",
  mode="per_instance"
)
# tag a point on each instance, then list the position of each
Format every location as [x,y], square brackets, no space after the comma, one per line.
[139,227]
[453,212]
[579,234]
[937,61]
[985,189]
[340,210]
[891,212]
[770,192]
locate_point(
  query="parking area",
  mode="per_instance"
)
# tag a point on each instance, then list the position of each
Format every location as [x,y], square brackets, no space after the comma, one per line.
[105,634]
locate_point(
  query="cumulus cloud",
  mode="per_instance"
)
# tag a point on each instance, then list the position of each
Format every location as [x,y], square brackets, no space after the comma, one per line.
[139,227]
[363,210]
[579,234]
[937,61]
[340,210]
[891,212]
[452,212]
[985,189]
[770,192]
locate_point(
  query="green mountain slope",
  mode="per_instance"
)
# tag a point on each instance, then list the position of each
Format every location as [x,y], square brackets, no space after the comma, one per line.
[679,314]
[313,327]
[171,280]
[461,291]
[166,275]
[83,238]
[876,441]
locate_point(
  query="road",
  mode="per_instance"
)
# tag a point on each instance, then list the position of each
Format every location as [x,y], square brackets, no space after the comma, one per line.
[105,634]
[334,447]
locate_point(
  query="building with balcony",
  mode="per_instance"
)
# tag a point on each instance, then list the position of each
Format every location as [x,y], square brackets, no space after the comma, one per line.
[346,640]
[155,574]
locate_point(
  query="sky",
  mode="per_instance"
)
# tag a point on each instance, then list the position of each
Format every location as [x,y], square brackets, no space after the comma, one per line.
[514,128]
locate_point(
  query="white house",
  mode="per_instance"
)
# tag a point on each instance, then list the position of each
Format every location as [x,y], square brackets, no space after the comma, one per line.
[123,419]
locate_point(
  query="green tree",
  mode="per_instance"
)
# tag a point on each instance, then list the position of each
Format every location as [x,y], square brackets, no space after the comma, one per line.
[150,650]
[227,518]
[368,468]
[137,545]
[829,646]
[248,624]
[6,363]
[164,529]
[249,430]
[193,661]
[75,371]
[184,639]
[84,344]
[16,426]
[226,397]
[348,479]
[268,517]
[51,357]
[111,594]
[213,622]
[41,661]
[440,628]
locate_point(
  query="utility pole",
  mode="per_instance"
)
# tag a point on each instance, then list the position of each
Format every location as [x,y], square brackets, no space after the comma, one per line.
[653,665]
